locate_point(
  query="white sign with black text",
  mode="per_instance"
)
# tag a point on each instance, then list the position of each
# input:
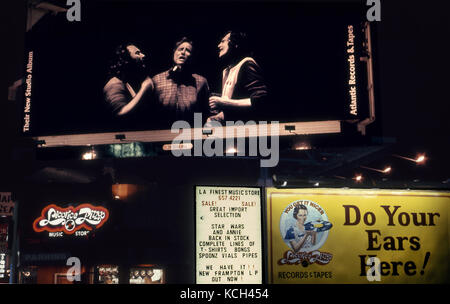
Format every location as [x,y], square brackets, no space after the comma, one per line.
[228,235]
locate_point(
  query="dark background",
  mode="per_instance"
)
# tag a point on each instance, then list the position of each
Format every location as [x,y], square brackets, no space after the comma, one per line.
[411,102]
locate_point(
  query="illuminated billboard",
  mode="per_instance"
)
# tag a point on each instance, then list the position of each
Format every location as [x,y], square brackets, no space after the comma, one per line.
[344,236]
[228,235]
[139,66]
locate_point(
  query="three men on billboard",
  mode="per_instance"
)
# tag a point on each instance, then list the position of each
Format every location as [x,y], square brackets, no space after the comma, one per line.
[177,93]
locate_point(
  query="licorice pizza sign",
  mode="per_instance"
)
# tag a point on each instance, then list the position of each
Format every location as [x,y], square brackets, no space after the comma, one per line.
[69,220]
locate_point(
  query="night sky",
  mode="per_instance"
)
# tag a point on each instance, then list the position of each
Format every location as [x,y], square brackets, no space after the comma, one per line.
[412,79]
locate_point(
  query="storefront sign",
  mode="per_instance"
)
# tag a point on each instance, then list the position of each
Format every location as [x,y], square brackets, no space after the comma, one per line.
[228,243]
[60,221]
[6,204]
[357,236]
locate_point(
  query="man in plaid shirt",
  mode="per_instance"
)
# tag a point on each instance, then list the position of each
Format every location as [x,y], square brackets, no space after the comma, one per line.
[179,92]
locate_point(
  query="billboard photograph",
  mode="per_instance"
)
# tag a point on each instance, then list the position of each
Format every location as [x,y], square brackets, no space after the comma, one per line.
[110,66]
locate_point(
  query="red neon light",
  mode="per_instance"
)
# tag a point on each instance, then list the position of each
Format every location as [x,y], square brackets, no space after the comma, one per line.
[70,219]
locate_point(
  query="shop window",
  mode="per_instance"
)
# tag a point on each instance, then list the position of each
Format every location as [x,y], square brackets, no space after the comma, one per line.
[61,278]
[146,275]
[108,274]
[48,275]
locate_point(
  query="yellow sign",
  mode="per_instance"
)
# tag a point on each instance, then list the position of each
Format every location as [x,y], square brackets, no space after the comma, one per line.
[343,236]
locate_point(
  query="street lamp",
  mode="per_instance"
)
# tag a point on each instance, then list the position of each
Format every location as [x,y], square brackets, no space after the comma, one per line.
[420,159]
[386,170]
[358,178]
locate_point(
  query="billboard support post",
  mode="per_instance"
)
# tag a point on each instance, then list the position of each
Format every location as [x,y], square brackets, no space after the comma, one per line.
[369,61]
